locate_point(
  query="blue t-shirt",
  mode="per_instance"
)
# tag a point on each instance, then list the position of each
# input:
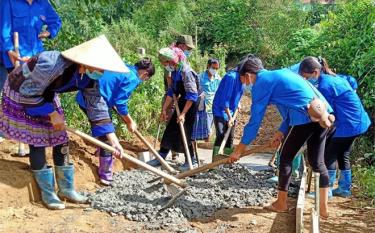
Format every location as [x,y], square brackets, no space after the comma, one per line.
[351,117]
[116,89]
[228,95]
[288,91]
[209,88]
[28,20]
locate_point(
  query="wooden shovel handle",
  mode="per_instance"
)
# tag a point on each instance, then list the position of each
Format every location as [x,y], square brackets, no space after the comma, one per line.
[128,157]
[226,136]
[183,134]
[152,149]
[221,161]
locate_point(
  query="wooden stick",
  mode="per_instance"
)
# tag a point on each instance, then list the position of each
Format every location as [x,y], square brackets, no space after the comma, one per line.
[128,157]
[301,200]
[157,135]
[183,135]
[227,133]
[152,149]
[21,146]
[220,162]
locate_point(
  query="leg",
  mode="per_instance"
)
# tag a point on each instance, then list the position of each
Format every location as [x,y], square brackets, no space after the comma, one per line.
[44,177]
[345,181]
[105,164]
[294,140]
[65,175]
[315,148]
[220,126]
[163,152]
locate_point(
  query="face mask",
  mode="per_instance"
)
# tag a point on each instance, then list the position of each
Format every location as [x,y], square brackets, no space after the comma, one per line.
[187,53]
[95,75]
[169,68]
[313,81]
[247,88]
[212,71]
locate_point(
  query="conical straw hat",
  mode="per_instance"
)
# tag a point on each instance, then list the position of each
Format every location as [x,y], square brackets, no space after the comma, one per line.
[97,53]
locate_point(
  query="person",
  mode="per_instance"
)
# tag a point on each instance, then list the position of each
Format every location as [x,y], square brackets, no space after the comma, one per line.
[31,112]
[185,88]
[116,89]
[327,70]
[225,103]
[306,117]
[34,20]
[352,121]
[185,43]
[209,81]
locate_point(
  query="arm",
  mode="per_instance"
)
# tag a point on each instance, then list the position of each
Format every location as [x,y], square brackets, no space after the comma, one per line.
[6,26]
[258,109]
[53,21]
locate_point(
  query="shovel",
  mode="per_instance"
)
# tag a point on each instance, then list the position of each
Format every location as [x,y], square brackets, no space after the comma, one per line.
[152,149]
[226,136]
[177,193]
[21,146]
[129,158]
[182,129]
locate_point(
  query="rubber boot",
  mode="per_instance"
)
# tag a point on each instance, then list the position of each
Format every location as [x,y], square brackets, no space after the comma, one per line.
[332,179]
[105,169]
[156,162]
[345,183]
[228,150]
[65,181]
[46,182]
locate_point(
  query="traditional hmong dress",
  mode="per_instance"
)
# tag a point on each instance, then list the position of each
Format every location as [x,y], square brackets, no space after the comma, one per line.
[186,85]
[31,93]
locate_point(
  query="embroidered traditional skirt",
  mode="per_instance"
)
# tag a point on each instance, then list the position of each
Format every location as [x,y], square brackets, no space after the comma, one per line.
[32,130]
[200,128]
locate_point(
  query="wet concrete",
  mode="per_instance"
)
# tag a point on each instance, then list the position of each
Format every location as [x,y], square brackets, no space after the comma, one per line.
[230,186]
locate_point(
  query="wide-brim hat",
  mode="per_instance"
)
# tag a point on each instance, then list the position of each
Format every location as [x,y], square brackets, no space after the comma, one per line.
[97,53]
[187,40]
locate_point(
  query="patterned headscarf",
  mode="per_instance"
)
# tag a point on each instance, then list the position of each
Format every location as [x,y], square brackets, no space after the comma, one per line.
[173,54]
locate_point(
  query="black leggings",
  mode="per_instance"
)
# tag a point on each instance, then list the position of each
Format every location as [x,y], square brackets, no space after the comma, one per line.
[38,156]
[315,136]
[338,149]
[221,127]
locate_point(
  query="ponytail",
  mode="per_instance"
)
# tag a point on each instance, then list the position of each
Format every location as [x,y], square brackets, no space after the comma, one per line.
[325,66]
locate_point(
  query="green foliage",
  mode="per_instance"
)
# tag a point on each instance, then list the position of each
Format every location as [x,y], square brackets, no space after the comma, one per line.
[364,177]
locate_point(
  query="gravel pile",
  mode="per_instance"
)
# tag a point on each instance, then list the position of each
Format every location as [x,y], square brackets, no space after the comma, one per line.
[230,186]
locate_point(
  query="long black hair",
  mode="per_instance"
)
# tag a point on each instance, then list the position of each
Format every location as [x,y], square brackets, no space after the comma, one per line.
[250,64]
[146,64]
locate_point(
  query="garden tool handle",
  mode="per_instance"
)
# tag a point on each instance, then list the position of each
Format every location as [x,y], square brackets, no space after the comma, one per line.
[182,129]
[105,146]
[221,161]
[227,133]
[152,149]
[157,134]
[16,47]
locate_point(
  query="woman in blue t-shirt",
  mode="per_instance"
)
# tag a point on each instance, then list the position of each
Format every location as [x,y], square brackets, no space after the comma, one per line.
[351,121]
